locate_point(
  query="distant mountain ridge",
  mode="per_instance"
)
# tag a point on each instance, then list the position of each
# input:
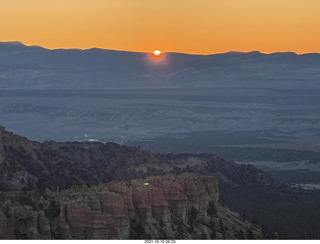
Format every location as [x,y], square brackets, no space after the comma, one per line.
[34,67]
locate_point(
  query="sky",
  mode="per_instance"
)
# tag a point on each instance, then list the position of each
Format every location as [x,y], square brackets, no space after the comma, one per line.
[188,26]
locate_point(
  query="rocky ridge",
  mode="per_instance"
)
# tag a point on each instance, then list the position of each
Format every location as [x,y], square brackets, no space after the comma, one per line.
[27,165]
[158,207]
[24,162]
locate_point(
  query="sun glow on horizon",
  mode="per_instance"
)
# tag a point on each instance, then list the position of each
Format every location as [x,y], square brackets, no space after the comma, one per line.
[157,57]
[157,52]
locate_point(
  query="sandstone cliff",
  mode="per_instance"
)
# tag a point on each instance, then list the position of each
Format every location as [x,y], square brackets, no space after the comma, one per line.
[180,207]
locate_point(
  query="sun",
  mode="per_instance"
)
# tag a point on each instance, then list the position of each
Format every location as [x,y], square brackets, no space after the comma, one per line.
[157,56]
[156,52]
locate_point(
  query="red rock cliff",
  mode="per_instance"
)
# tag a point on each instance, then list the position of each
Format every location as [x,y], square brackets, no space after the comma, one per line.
[150,208]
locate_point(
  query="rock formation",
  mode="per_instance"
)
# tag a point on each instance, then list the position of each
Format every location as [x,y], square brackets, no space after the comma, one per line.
[158,207]
[27,165]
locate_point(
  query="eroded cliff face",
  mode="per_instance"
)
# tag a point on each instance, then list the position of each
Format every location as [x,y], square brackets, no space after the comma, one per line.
[181,207]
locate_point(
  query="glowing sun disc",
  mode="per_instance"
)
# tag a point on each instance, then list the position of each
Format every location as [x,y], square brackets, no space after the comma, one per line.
[156,52]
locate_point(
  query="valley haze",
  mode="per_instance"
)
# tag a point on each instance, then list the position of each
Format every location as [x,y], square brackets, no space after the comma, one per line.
[242,106]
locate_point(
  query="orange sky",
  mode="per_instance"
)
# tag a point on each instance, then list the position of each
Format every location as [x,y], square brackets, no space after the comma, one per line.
[189,26]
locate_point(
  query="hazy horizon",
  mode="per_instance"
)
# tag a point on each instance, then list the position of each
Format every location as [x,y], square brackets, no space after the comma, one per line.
[123,50]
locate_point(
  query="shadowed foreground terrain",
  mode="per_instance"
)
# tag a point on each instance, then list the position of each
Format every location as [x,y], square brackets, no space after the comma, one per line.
[72,179]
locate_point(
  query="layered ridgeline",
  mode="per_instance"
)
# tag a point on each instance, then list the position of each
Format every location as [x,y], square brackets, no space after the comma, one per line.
[183,206]
[32,67]
[27,165]
[24,163]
